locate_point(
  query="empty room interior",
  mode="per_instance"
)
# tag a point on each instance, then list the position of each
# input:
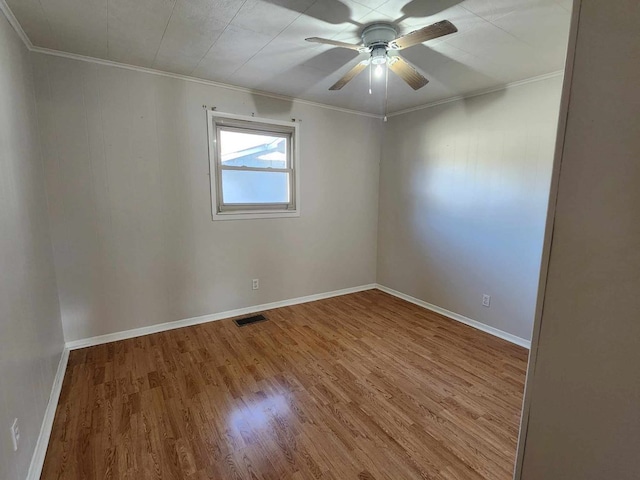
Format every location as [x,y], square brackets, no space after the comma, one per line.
[319,239]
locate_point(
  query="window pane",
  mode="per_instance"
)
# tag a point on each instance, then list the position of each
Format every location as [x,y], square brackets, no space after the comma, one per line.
[241,149]
[254,187]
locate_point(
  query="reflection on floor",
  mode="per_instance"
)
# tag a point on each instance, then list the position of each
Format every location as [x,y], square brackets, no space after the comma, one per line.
[363,386]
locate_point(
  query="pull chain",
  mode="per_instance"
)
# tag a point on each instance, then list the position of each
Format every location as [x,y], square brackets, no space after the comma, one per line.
[370,69]
[386,89]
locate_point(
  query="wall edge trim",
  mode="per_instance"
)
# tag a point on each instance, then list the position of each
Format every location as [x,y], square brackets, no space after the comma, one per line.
[518,83]
[13,21]
[152,71]
[187,322]
[40,451]
[458,318]
[563,117]
[38,457]
[202,81]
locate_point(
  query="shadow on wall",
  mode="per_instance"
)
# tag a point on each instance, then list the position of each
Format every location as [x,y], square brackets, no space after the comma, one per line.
[268,107]
[463,201]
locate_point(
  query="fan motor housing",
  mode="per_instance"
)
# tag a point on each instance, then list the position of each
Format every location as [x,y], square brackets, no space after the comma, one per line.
[378,34]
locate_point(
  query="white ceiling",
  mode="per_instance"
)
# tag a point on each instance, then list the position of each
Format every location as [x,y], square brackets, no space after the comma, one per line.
[259,44]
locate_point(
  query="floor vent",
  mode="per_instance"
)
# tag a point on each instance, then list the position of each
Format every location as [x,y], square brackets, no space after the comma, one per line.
[250,320]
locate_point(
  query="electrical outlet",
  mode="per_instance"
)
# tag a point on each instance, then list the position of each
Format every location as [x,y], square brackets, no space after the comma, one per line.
[255,284]
[486,300]
[15,434]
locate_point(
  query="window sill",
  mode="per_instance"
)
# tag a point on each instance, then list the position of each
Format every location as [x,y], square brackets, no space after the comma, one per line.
[254,215]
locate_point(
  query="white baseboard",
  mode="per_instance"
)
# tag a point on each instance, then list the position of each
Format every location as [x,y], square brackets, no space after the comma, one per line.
[37,459]
[162,327]
[457,317]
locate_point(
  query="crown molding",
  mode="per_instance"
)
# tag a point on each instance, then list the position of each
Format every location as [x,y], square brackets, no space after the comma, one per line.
[4,8]
[518,83]
[202,81]
[13,21]
[57,53]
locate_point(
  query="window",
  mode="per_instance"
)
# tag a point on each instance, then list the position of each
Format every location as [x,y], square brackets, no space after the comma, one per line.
[253,162]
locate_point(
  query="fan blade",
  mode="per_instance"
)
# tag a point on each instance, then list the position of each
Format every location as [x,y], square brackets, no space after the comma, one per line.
[335,43]
[436,30]
[351,74]
[407,72]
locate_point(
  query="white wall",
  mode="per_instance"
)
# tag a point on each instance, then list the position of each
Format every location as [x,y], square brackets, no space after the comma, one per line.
[463,197]
[584,388]
[128,177]
[30,330]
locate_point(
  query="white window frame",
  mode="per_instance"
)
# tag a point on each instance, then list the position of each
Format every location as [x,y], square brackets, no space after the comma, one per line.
[219,211]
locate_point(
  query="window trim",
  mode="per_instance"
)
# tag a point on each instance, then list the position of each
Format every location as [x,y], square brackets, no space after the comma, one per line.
[252,211]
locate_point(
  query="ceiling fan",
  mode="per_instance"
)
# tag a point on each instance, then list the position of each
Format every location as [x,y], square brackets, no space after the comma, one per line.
[382,42]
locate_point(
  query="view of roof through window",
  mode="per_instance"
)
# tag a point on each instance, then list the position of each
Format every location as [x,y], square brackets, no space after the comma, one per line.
[241,149]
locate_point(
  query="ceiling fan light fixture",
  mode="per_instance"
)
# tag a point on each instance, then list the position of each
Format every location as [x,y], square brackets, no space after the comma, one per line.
[379,56]
[383,44]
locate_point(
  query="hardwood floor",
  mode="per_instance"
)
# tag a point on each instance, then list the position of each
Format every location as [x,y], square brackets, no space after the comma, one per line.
[364,386]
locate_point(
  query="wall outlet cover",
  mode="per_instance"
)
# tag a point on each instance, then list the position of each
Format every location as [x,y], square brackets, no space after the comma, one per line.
[15,434]
[486,300]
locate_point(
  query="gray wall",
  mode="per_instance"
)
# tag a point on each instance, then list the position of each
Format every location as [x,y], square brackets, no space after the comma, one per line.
[584,390]
[30,331]
[127,173]
[463,198]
